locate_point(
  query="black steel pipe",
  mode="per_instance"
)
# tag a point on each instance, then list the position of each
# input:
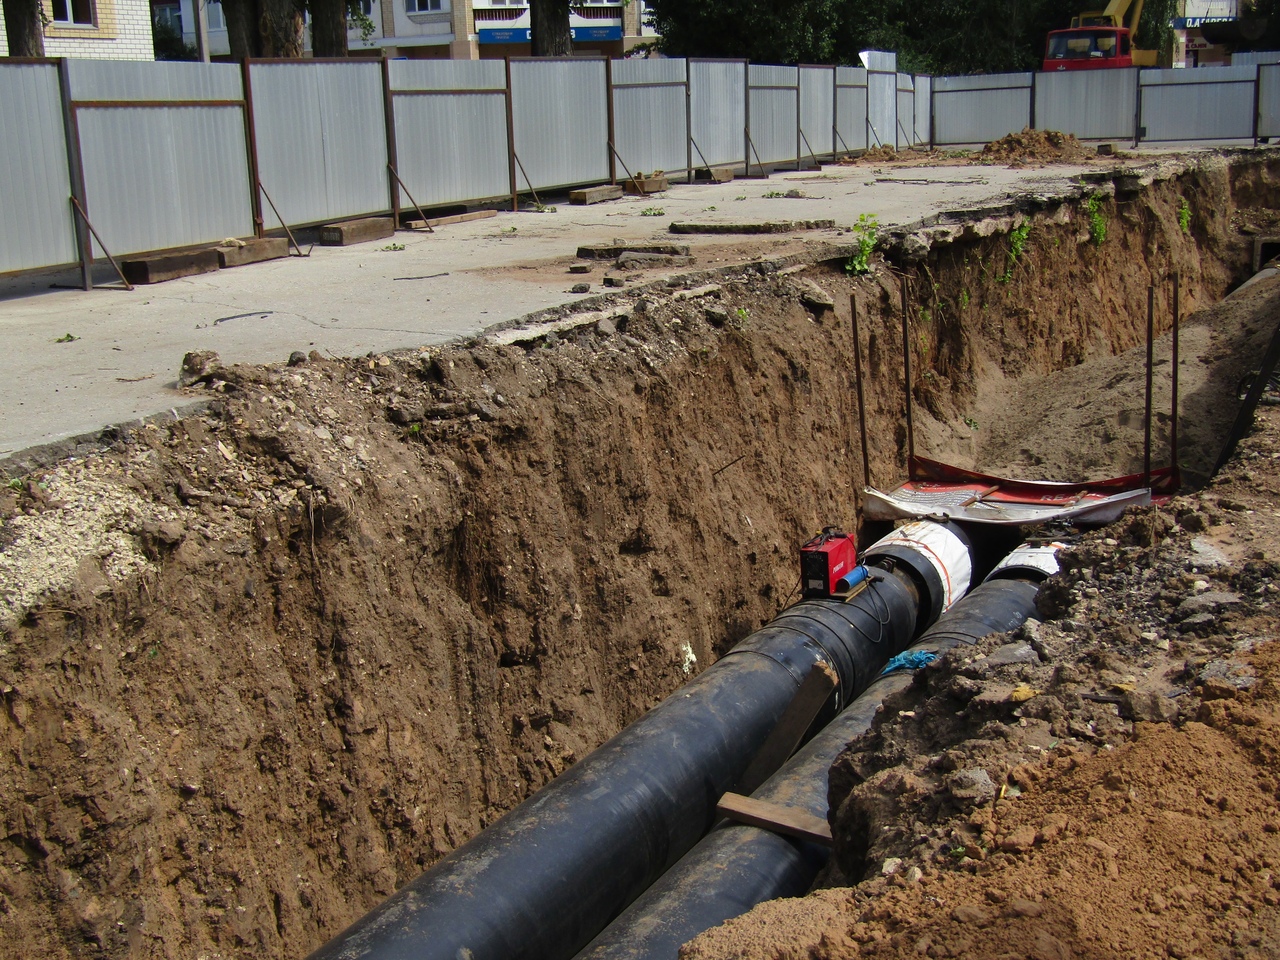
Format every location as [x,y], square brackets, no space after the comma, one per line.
[737,866]
[548,876]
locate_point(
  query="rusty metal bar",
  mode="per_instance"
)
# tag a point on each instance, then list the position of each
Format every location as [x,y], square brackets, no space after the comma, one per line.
[75,161]
[1173,423]
[614,154]
[251,145]
[609,120]
[1151,328]
[430,229]
[511,144]
[288,232]
[906,370]
[389,122]
[857,382]
[87,223]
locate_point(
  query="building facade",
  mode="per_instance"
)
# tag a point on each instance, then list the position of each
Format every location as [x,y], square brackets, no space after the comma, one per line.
[95,29]
[456,29]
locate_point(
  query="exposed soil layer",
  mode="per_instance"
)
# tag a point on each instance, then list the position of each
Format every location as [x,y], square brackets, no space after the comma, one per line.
[262,665]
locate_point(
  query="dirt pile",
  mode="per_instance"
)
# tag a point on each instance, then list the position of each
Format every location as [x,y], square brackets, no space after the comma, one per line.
[1036,146]
[288,652]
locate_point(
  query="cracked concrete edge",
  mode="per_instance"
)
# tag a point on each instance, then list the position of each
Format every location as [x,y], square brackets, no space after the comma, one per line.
[899,243]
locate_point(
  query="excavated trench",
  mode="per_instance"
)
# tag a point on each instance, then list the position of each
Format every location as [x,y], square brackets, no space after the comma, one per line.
[269,662]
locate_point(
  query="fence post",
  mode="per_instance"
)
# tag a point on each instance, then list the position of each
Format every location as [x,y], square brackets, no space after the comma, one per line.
[75,166]
[688,122]
[746,122]
[511,143]
[1137,109]
[1031,112]
[1257,100]
[612,133]
[389,110]
[251,145]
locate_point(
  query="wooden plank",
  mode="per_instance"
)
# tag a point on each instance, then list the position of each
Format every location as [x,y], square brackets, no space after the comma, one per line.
[357,231]
[253,251]
[169,266]
[445,221]
[791,727]
[608,191]
[774,817]
[643,186]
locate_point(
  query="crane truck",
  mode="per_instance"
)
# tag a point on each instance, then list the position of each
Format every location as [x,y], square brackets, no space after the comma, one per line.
[1099,39]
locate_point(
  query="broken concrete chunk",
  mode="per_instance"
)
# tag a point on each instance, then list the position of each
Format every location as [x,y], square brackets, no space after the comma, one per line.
[814,297]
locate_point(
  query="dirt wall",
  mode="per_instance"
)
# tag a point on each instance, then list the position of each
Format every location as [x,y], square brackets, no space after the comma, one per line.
[283,655]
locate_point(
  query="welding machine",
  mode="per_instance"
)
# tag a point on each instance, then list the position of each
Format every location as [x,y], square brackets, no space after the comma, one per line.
[826,560]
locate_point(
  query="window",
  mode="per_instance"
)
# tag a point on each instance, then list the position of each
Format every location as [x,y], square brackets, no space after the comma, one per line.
[423,6]
[217,21]
[76,12]
[366,8]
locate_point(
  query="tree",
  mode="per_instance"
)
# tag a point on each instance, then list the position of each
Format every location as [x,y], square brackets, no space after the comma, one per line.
[24,27]
[549,28]
[329,28]
[782,31]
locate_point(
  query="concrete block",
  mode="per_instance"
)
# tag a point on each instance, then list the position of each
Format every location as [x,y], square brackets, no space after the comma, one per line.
[608,191]
[253,251]
[169,266]
[357,231]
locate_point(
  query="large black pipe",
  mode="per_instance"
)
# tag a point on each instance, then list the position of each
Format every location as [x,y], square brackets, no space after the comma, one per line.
[737,866]
[548,876]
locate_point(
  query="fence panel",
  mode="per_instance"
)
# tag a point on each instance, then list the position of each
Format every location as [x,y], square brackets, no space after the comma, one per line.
[34,202]
[851,109]
[773,116]
[924,97]
[451,129]
[171,171]
[1214,104]
[906,104]
[1269,100]
[561,119]
[651,114]
[322,142]
[817,111]
[1252,58]
[1091,104]
[882,97]
[718,110]
[969,110]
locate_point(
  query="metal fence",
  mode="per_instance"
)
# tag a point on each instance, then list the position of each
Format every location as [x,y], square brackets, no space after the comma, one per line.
[773,114]
[1215,104]
[35,203]
[971,110]
[650,129]
[168,155]
[818,111]
[450,126]
[1092,104]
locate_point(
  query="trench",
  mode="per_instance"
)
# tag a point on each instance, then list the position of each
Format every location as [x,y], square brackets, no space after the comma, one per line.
[343,651]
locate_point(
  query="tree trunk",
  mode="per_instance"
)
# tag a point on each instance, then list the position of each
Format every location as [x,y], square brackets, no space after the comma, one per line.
[242,28]
[329,28]
[280,27]
[549,23]
[23,28]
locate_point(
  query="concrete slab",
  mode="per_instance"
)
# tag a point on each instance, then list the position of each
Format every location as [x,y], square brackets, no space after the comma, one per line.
[348,301]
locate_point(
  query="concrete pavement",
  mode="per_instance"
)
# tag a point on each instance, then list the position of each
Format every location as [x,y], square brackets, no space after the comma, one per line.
[452,284]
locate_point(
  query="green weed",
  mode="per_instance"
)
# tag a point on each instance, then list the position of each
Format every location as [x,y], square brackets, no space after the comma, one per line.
[971,423]
[1017,244]
[964,299]
[392,247]
[653,212]
[866,236]
[1184,217]
[1097,219]
[67,338]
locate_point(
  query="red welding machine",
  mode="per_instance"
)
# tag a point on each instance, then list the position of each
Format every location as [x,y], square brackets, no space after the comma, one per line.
[825,560]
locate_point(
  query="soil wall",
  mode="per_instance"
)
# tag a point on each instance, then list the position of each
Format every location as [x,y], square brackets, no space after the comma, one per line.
[278,658]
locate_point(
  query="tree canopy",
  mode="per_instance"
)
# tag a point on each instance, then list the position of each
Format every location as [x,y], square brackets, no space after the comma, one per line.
[930,36]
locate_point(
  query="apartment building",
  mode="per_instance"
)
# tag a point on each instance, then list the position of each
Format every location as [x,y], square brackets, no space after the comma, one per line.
[96,29]
[456,29]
